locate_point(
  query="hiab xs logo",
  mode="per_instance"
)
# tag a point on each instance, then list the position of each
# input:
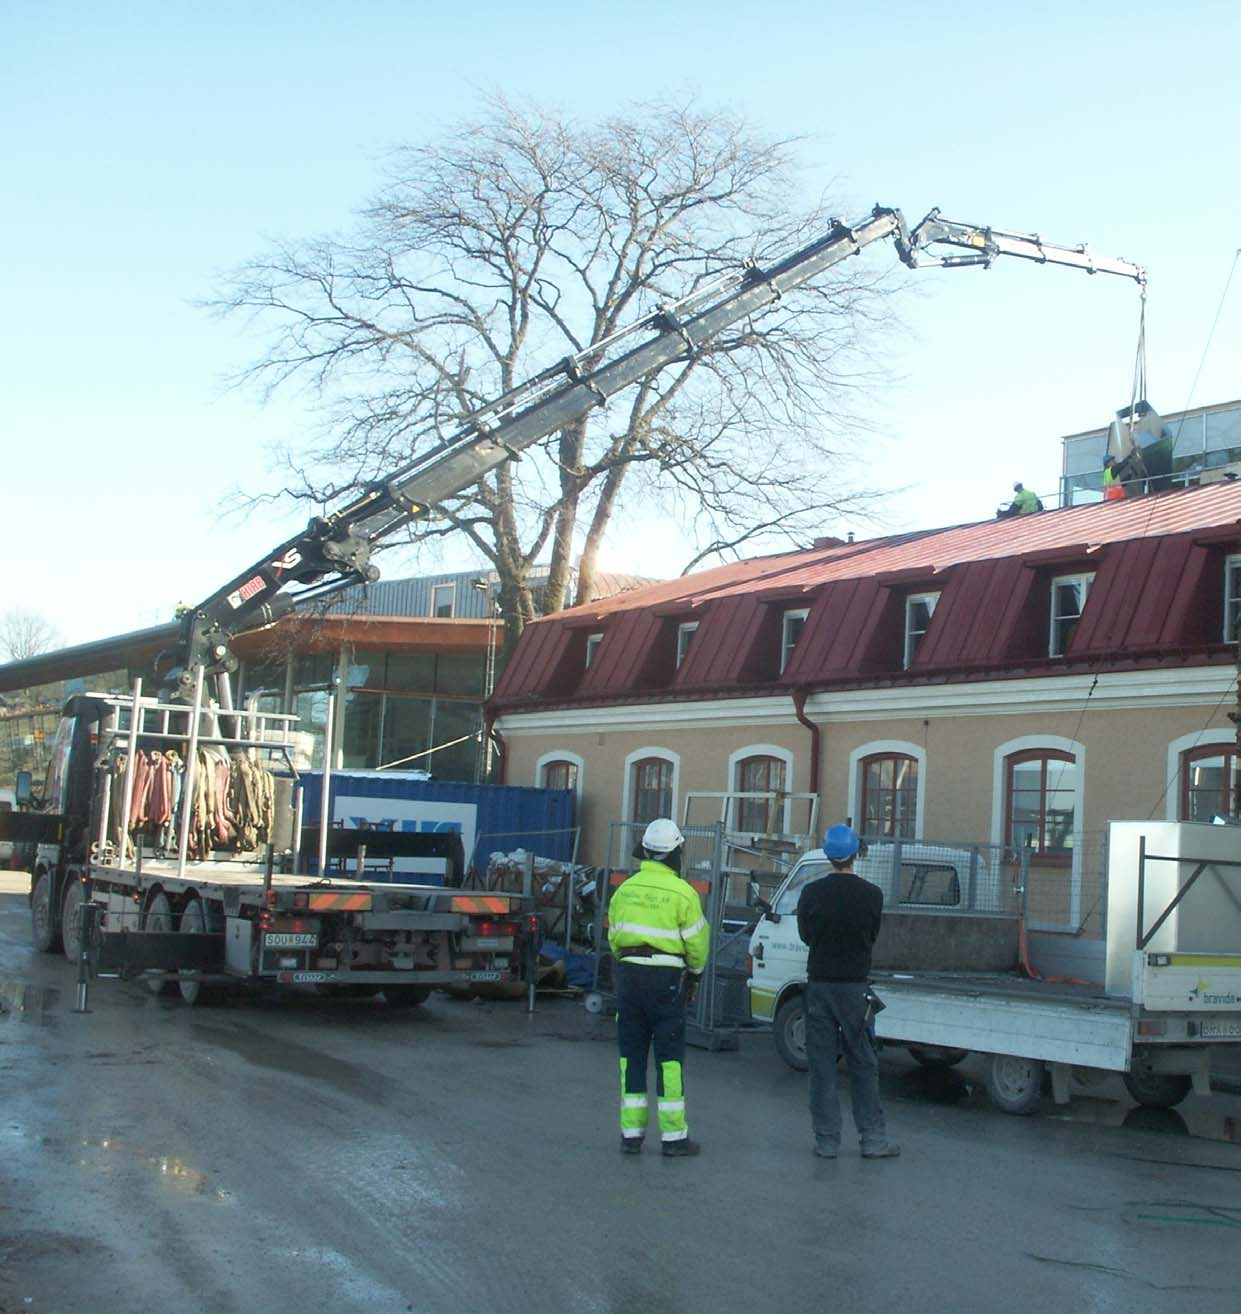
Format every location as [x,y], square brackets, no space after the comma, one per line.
[1202,994]
[290,559]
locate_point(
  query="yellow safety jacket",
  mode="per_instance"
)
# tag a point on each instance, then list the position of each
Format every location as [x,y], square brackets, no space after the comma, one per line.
[657,910]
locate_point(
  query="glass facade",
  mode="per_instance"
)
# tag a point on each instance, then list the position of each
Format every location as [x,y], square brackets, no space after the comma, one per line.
[1203,440]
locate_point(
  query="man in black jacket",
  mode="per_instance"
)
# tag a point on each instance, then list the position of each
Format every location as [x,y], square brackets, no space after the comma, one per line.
[838,917]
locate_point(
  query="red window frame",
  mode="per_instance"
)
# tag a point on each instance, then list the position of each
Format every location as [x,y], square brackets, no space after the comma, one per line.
[1222,803]
[651,784]
[1039,851]
[754,774]
[896,821]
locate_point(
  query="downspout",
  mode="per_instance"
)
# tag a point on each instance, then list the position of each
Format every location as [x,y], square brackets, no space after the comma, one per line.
[799,706]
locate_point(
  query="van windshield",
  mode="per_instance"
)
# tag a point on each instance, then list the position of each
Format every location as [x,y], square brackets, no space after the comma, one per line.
[786,904]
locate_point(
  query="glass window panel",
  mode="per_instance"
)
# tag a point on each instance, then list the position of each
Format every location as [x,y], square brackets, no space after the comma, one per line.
[1084,456]
[456,734]
[407,730]
[890,796]
[652,789]
[414,671]
[460,673]
[560,775]
[360,740]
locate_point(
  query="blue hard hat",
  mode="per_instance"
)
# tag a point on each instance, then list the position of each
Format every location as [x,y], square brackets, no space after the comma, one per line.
[841,842]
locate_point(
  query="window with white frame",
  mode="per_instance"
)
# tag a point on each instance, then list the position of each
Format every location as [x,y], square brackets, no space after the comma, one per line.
[1210,782]
[685,632]
[791,625]
[1232,599]
[651,780]
[1068,601]
[919,608]
[592,643]
[443,599]
[1040,802]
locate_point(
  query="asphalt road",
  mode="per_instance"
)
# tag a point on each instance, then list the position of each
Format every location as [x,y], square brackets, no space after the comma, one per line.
[314,1155]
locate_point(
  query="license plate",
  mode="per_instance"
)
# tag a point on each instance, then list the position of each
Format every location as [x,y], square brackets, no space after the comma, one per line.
[301,978]
[290,939]
[1220,1028]
[483,976]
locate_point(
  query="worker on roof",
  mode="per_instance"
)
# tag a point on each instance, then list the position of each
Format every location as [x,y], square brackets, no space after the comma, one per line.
[659,938]
[1024,503]
[1113,489]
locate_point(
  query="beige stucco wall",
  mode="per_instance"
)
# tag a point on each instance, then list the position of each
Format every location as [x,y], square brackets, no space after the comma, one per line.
[1124,738]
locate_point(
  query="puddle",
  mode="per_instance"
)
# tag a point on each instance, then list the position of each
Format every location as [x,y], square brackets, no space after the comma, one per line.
[39,1005]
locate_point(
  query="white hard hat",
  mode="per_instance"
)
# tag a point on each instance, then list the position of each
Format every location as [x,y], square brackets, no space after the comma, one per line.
[662,836]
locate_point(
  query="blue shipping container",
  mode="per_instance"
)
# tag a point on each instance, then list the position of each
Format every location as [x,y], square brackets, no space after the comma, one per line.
[491,818]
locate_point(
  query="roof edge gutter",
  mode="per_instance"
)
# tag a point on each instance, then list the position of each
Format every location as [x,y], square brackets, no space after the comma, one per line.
[799,707]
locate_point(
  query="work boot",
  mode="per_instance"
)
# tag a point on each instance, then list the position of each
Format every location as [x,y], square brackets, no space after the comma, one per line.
[885,1151]
[631,1144]
[825,1148]
[681,1149]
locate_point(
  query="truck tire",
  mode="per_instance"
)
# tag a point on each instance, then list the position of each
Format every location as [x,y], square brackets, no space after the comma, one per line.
[158,917]
[789,1033]
[406,996]
[71,919]
[44,934]
[933,1057]
[193,991]
[1157,1090]
[1014,1084]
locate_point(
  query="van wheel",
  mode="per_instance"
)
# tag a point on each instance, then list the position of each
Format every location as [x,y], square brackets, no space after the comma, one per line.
[1015,1084]
[1157,1090]
[43,933]
[790,1033]
[933,1057]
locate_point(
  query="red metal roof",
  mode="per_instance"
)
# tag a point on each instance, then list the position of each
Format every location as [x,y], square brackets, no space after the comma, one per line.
[1157,586]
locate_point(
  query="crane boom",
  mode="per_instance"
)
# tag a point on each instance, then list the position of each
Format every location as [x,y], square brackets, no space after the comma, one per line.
[335,550]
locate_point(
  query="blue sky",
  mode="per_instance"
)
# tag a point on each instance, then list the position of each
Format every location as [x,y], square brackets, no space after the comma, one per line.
[149,147]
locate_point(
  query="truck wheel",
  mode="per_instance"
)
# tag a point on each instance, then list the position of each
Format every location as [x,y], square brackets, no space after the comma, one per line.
[1015,1084]
[158,917]
[71,919]
[194,921]
[43,933]
[1157,1090]
[406,996]
[789,1033]
[932,1057]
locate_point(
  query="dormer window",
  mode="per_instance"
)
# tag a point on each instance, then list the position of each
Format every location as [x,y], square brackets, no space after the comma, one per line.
[592,643]
[791,625]
[919,608]
[443,599]
[1068,601]
[1232,599]
[685,632]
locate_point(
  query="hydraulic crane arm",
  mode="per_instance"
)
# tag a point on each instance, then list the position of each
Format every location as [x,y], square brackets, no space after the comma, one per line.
[985,244]
[335,550]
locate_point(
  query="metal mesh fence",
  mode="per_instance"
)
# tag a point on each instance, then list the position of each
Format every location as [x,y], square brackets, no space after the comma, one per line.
[1069,893]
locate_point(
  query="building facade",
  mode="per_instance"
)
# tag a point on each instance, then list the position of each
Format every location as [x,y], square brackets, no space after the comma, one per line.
[1016,682]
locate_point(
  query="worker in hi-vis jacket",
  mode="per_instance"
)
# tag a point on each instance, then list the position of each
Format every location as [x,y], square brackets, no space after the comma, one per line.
[659,939]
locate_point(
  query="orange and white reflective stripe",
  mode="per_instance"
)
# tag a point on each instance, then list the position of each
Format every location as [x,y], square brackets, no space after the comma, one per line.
[344,901]
[480,903]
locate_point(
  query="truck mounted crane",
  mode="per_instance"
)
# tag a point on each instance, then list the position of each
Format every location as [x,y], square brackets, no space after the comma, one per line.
[336,550]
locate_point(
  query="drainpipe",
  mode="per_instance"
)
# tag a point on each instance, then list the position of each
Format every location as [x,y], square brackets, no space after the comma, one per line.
[799,706]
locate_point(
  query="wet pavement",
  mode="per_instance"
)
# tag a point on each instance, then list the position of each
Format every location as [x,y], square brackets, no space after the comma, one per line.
[336,1155]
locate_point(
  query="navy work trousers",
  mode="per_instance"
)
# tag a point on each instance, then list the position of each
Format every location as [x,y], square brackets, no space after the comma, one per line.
[650,1015]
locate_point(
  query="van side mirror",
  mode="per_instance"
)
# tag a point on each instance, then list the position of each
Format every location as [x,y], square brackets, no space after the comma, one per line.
[756,900]
[23,789]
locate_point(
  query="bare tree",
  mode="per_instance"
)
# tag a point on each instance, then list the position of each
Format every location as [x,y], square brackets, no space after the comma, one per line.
[25,634]
[523,237]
